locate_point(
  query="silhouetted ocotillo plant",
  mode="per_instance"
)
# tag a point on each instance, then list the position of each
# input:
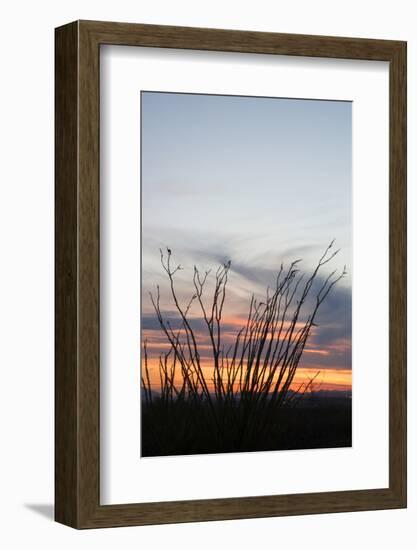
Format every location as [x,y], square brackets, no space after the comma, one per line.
[251,379]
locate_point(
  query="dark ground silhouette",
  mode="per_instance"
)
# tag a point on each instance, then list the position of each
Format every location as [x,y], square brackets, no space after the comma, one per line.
[183,428]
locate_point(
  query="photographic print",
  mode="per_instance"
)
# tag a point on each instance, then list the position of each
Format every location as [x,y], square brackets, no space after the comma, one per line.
[210,227]
[246,262]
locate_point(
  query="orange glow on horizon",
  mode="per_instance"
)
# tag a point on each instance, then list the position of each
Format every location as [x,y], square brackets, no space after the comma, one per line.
[330,378]
[327,379]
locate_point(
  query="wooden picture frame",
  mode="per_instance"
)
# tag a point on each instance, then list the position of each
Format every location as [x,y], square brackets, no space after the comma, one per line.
[77,402]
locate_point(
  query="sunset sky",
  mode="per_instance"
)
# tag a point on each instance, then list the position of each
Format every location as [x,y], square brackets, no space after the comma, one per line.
[257,181]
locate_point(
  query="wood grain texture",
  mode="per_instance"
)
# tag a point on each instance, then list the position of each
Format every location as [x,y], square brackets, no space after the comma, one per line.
[78,284]
[66,237]
[398,273]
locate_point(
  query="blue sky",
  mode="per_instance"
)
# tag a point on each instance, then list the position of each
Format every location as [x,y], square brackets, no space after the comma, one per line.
[254,180]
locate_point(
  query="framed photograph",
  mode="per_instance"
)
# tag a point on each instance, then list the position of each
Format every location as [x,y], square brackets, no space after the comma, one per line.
[230,274]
